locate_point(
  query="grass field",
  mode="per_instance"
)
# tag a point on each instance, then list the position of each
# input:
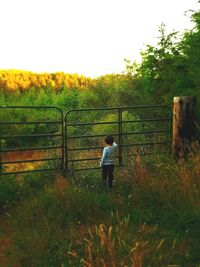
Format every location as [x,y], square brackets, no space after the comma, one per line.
[151,217]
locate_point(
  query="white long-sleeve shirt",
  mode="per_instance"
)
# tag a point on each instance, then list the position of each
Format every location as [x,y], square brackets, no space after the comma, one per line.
[108,155]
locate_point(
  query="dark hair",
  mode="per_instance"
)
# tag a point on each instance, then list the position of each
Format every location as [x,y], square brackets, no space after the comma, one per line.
[109,140]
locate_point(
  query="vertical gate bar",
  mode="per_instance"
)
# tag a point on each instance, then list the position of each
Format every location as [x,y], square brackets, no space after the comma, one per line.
[66,147]
[120,135]
[63,141]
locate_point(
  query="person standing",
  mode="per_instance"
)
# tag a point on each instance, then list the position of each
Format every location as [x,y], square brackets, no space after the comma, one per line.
[107,161]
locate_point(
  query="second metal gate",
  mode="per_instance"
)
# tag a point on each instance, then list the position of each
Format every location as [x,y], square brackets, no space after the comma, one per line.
[138,130]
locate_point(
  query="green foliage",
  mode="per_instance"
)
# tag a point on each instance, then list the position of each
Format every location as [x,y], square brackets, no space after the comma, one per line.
[67,99]
[9,193]
[163,71]
[89,99]
[171,68]
[113,127]
[191,50]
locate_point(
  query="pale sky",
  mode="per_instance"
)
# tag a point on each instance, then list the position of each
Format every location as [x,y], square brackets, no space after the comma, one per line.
[89,37]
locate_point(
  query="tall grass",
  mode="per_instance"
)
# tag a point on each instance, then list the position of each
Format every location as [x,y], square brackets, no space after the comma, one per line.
[150,218]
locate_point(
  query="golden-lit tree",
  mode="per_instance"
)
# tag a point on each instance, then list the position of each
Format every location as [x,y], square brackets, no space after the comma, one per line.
[14,80]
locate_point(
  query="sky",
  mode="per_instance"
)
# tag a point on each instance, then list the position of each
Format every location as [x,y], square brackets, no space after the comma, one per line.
[88,37]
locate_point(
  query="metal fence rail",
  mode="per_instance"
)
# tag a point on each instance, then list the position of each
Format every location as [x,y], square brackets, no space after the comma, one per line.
[7,136]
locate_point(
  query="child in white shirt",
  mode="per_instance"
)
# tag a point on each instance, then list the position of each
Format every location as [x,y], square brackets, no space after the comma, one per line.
[107,161]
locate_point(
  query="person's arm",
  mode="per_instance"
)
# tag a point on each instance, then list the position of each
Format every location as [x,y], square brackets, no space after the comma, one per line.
[103,157]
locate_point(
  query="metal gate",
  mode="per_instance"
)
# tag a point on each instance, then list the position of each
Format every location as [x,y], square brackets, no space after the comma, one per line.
[31,139]
[35,139]
[138,130]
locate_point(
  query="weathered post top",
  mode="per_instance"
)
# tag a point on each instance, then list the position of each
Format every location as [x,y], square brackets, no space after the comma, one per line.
[185,99]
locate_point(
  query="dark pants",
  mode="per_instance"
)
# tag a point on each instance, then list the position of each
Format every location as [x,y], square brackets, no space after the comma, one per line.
[107,175]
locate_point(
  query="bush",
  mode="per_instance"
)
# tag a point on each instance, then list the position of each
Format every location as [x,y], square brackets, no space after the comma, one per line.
[9,193]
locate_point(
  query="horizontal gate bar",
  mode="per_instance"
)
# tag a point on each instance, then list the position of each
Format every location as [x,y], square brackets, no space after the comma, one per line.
[148,120]
[101,147]
[94,168]
[31,171]
[30,135]
[86,136]
[148,143]
[126,155]
[85,148]
[31,160]
[87,169]
[29,148]
[116,134]
[31,107]
[116,122]
[83,159]
[91,123]
[28,122]
[142,154]
[148,132]
[117,108]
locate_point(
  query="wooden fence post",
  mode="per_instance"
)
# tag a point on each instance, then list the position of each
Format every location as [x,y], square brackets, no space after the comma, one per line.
[183,124]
